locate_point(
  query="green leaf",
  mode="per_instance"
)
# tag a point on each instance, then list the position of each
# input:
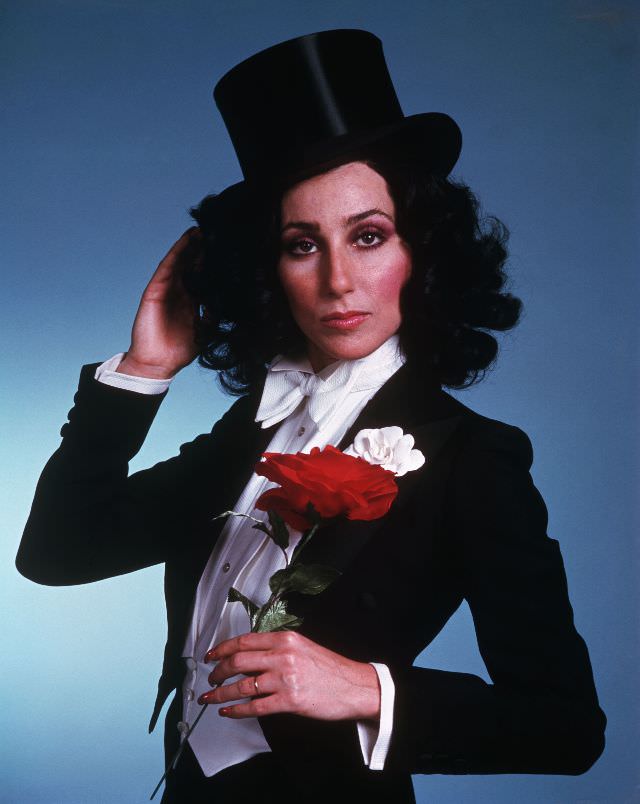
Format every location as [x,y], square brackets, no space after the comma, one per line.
[307,579]
[263,527]
[276,618]
[277,582]
[249,606]
[279,532]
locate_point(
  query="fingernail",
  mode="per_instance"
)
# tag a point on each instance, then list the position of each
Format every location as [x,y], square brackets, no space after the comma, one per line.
[223,711]
[210,655]
[202,700]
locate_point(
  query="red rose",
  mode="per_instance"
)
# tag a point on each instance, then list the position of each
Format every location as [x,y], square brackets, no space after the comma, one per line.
[336,484]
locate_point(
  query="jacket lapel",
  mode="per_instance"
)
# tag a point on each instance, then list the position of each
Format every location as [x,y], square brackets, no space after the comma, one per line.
[420,407]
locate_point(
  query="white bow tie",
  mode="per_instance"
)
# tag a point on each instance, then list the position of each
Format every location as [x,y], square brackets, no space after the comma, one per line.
[284,390]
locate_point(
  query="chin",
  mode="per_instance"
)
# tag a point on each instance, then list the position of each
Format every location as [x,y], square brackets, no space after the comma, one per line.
[324,354]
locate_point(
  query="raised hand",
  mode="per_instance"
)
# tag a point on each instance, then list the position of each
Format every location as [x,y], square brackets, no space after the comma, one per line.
[162,338]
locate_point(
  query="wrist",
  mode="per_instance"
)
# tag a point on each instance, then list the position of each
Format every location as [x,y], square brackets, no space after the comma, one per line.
[369,683]
[134,368]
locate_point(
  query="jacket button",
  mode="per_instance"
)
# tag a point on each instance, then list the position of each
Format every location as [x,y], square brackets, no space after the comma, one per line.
[226,566]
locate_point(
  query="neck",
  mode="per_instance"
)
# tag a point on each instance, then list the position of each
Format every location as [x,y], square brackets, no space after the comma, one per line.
[320,360]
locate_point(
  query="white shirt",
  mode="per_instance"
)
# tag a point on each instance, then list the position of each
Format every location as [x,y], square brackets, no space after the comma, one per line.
[245,558]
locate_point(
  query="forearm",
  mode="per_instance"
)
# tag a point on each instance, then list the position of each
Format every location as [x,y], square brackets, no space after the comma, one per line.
[84,509]
[456,723]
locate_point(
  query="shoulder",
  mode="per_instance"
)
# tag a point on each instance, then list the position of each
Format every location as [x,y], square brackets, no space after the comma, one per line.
[491,490]
[482,436]
[421,399]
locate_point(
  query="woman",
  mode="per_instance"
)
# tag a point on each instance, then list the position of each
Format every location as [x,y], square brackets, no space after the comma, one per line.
[358,272]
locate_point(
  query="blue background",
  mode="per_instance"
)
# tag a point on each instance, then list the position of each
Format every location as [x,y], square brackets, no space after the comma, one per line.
[110,134]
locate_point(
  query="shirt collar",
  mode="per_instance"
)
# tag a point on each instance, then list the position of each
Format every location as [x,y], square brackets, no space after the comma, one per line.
[388,354]
[289,380]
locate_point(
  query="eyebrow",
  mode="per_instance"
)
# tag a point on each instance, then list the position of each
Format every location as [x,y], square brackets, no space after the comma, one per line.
[359,216]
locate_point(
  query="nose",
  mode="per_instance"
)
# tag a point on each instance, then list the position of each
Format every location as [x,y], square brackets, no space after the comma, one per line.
[337,272]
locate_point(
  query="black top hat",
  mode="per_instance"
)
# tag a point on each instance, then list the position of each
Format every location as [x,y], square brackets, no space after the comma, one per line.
[310,99]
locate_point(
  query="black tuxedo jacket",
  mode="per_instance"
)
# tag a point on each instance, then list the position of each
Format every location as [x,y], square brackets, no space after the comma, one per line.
[469,524]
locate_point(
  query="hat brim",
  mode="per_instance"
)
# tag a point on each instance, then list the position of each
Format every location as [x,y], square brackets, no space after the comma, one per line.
[432,138]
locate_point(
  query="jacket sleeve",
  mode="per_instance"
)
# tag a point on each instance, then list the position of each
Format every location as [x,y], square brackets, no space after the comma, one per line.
[89,519]
[540,714]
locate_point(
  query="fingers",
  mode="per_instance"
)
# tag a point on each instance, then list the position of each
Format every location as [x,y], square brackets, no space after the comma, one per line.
[275,660]
[268,702]
[293,674]
[258,707]
[248,687]
[243,662]
[189,241]
[191,237]
[254,642]
[188,244]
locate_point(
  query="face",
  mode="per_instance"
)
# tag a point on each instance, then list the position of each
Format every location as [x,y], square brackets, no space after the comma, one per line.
[342,263]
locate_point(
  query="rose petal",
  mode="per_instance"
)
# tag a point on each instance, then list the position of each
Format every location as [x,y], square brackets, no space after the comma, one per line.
[361,441]
[391,435]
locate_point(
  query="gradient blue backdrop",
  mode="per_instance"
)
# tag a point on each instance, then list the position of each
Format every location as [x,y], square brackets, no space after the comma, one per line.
[110,134]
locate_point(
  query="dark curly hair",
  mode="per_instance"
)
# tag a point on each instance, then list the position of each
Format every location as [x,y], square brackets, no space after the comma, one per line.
[451,301]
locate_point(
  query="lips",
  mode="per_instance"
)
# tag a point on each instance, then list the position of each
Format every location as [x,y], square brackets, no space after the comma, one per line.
[347,321]
[337,316]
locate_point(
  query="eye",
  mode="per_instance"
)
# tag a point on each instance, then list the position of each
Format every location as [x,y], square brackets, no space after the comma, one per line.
[371,238]
[299,247]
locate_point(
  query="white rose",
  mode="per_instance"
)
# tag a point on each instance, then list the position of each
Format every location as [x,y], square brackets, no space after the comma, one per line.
[388,447]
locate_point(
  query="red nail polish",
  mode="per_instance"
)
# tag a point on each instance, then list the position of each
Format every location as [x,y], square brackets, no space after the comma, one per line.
[202,700]
[210,655]
[223,711]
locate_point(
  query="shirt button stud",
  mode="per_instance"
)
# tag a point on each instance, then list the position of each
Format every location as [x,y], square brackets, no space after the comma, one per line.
[182,727]
[191,663]
[301,431]
[226,567]
[190,695]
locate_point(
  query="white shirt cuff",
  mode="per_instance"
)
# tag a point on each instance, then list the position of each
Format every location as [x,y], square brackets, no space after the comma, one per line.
[376,738]
[107,374]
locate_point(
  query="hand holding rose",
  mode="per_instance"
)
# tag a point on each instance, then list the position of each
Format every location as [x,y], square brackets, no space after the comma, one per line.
[294,675]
